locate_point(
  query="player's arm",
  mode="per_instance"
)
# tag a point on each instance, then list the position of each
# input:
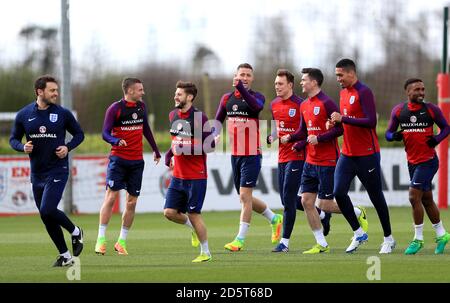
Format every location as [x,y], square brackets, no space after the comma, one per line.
[391,132]
[108,124]
[335,131]
[300,134]
[255,102]
[274,133]
[367,102]
[208,131]
[168,157]
[17,133]
[221,114]
[149,135]
[441,123]
[74,128]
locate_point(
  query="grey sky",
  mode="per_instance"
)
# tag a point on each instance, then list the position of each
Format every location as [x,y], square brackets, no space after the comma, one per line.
[125,33]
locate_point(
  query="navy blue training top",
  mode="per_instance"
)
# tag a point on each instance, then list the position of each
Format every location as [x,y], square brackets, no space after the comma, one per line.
[47,130]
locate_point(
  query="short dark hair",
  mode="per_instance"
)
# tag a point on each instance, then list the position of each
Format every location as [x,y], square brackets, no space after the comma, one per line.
[314,74]
[285,73]
[411,81]
[41,82]
[128,82]
[188,87]
[346,64]
[244,65]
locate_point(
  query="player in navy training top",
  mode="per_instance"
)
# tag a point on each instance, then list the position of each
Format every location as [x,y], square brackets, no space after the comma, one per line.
[44,125]
[125,123]
[416,119]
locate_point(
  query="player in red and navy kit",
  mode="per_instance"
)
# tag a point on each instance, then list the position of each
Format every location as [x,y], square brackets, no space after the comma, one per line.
[192,138]
[125,123]
[242,107]
[360,155]
[44,125]
[322,152]
[285,110]
[416,119]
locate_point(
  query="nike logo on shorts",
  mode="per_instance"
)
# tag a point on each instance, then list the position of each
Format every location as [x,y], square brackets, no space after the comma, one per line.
[371,170]
[192,207]
[327,195]
[249,182]
[295,169]
[55,180]
[415,183]
[31,119]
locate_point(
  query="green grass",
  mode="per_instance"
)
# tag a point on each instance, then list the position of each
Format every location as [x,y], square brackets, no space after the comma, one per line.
[160,251]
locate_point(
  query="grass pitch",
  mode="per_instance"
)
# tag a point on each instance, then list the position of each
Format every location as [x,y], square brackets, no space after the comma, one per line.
[160,251]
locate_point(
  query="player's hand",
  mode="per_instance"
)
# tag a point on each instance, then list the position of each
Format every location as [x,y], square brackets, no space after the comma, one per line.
[269,139]
[28,147]
[62,151]
[431,142]
[299,146]
[398,136]
[329,124]
[122,142]
[312,139]
[235,80]
[285,139]
[336,117]
[168,160]
[156,158]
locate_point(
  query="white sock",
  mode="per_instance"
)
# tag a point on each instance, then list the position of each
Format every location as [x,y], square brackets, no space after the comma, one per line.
[320,238]
[243,229]
[269,214]
[188,223]
[357,211]
[418,235]
[359,232]
[123,233]
[285,242]
[204,248]
[66,255]
[439,228]
[76,231]
[322,215]
[389,238]
[102,230]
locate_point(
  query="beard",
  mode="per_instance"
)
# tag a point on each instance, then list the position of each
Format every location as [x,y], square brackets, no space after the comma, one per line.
[418,99]
[181,104]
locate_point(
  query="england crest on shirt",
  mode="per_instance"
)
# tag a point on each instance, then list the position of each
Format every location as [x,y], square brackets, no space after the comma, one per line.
[352,100]
[53,118]
[316,110]
[292,112]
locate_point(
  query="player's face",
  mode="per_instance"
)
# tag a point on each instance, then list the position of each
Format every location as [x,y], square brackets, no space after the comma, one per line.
[136,92]
[307,84]
[416,92]
[246,76]
[181,98]
[283,88]
[344,77]
[49,94]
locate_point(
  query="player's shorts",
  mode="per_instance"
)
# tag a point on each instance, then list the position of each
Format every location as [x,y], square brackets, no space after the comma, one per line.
[289,179]
[125,174]
[48,189]
[422,174]
[318,179]
[245,170]
[186,195]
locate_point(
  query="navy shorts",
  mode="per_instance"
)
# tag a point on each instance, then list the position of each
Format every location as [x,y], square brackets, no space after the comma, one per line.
[245,170]
[422,174]
[125,174]
[48,190]
[186,195]
[318,179]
